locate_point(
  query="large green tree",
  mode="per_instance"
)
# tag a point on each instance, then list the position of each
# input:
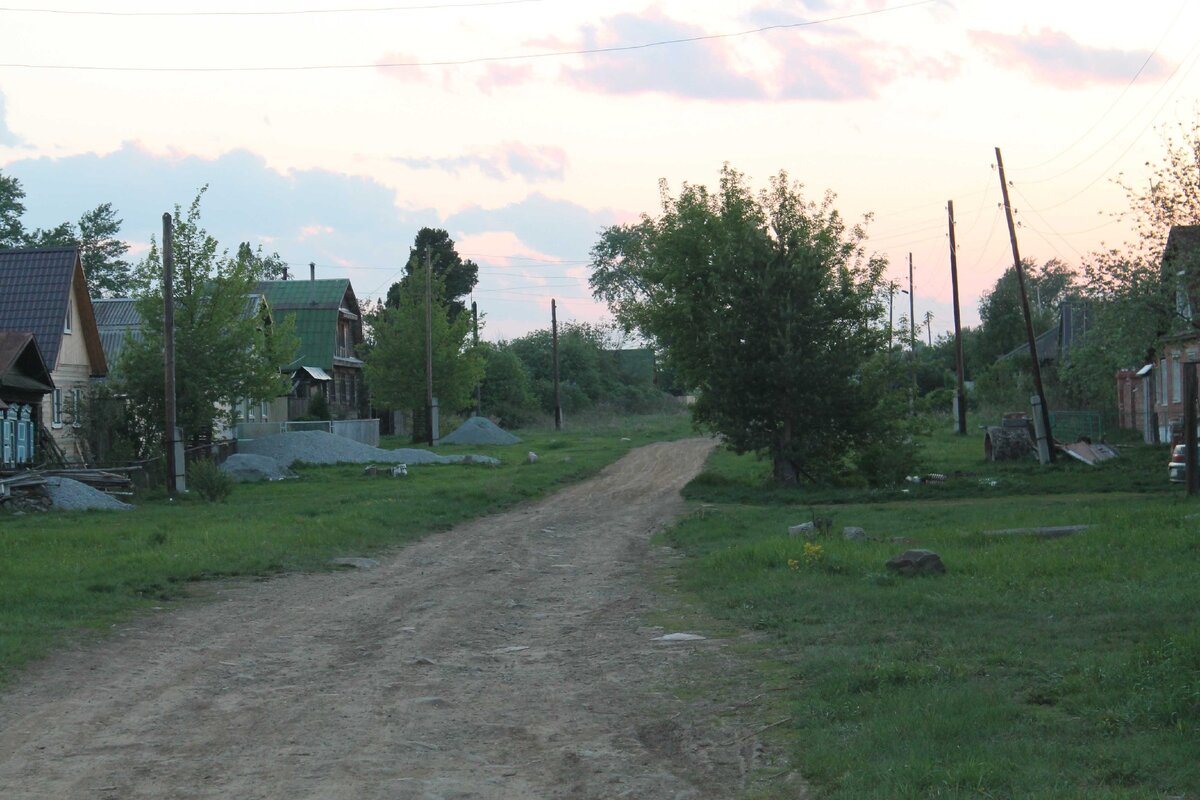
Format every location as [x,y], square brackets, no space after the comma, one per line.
[395,360]
[1002,322]
[12,231]
[225,350]
[768,305]
[456,276]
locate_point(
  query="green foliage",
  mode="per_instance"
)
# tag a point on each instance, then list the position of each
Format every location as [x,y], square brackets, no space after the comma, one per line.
[107,271]
[1002,321]
[111,433]
[226,349]
[395,362]
[12,231]
[206,479]
[769,306]
[318,407]
[456,277]
[506,393]
[265,267]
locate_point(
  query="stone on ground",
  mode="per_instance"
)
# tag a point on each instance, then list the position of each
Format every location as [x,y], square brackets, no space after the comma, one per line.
[917,562]
[248,467]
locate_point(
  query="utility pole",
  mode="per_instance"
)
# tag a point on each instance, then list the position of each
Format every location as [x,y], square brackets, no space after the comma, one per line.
[1045,450]
[960,398]
[174,468]
[912,339]
[478,386]
[892,286]
[554,340]
[429,345]
[1191,469]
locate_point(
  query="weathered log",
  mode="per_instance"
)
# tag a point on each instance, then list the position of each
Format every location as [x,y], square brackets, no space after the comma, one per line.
[1005,443]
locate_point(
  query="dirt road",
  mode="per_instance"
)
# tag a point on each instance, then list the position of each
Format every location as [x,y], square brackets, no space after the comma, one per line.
[506,658]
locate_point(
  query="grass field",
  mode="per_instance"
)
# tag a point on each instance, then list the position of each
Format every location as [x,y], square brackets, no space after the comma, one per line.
[70,573]
[1034,668]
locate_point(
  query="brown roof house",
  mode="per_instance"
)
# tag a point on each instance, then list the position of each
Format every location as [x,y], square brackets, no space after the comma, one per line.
[24,383]
[43,292]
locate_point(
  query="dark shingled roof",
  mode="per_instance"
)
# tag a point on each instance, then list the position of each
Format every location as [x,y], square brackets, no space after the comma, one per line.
[21,363]
[117,318]
[35,284]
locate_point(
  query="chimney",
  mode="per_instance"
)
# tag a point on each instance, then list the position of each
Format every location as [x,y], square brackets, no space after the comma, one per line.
[312,270]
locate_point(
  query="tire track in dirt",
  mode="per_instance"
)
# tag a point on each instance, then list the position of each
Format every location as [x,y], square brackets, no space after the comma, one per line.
[505,658]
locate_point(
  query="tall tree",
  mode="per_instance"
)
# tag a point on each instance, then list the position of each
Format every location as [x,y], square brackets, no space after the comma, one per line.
[103,254]
[395,360]
[12,231]
[768,305]
[226,351]
[456,276]
[1002,323]
[267,267]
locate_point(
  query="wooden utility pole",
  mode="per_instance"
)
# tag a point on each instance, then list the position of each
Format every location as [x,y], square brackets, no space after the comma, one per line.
[478,386]
[1046,448]
[429,345]
[912,339]
[554,340]
[174,469]
[959,369]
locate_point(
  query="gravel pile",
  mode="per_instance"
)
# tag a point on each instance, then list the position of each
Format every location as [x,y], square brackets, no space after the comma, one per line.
[71,495]
[480,430]
[319,447]
[248,468]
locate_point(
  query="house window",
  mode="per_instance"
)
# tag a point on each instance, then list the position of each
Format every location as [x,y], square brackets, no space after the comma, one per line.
[265,411]
[76,408]
[1162,382]
[1176,381]
[67,321]
[56,409]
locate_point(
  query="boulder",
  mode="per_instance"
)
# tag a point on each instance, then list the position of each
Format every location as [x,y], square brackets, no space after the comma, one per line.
[917,562]
[854,534]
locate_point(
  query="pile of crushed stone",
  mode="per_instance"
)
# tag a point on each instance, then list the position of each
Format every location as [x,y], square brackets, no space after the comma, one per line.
[319,447]
[480,430]
[70,495]
[247,468]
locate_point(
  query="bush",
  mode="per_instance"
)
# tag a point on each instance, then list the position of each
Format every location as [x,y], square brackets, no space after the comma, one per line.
[318,407]
[207,479]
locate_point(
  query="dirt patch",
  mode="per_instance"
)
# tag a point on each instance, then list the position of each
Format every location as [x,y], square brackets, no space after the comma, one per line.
[507,658]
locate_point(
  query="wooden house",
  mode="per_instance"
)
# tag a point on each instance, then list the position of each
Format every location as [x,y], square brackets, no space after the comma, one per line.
[43,292]
[24,383]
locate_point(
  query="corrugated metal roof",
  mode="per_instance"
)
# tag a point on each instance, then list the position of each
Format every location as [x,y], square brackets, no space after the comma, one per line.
[116,312]
[291,295]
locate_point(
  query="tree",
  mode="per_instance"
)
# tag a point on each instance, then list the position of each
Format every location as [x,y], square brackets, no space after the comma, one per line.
[506,392]
[225,350]
[267,268]
[12,231]
[103,254]
[1002,322]
[395,362]
[456,276]
[769,306]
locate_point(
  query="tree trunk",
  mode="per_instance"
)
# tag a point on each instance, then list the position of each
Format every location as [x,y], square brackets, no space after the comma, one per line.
[786,473]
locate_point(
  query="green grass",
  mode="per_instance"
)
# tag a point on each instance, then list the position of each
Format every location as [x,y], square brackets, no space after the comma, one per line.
[68,573]
[1061,668]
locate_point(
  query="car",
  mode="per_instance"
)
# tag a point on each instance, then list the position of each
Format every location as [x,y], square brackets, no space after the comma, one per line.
[1177,466]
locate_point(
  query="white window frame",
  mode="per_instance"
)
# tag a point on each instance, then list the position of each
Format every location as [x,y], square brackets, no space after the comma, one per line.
[1162,382]
[70,303]
[1176,380]
[56,409]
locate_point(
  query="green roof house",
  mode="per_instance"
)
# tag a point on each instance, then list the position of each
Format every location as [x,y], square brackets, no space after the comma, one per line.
[329,326]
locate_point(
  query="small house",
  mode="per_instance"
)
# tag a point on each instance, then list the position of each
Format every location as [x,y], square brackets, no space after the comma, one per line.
[24,383]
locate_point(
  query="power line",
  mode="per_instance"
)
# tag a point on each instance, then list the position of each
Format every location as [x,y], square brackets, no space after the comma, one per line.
[484,59]
[283,13]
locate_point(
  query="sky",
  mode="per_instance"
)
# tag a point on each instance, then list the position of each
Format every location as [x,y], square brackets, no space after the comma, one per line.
[331,131]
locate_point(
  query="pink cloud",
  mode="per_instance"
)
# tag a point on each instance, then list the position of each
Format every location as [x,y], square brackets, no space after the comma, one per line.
[500,76]
[1055,58]
[309,231]
[534,163]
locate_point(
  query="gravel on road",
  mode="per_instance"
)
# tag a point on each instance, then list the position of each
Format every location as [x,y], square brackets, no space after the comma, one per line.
[319,447]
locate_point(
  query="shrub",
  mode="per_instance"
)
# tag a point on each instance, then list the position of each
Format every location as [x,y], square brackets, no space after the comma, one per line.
[207,479]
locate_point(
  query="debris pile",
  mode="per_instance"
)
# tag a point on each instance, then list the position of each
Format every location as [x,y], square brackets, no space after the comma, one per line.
[480,431]
[72,495]
[248,468]
[319,447]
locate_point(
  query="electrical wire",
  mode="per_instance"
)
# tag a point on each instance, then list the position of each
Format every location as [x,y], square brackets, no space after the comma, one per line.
[284,13]
[484,59]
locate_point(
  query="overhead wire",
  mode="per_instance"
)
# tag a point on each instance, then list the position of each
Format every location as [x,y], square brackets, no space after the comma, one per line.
[251,13]
[487,59]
